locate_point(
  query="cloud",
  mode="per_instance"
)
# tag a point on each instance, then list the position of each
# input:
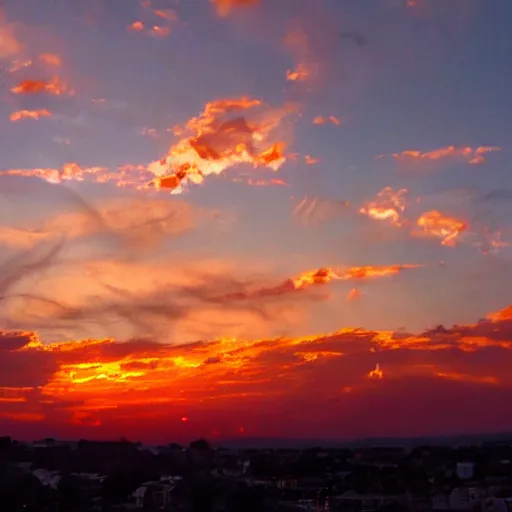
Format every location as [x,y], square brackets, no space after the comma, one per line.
[313,40]
[51,59]
[363,373]
[225,7]
[9,44]
[21,368]
[29,114]
[325,275]
[54,87]
[15,340]
[25,265]
[388,206]
[312,211]
[437,225]
[227,133]
[311,160]
[319,120]
[155,22]
[192,297]
[473,156]
[354,294]
[136,26]
[21,238]
[297,40]
[139,223]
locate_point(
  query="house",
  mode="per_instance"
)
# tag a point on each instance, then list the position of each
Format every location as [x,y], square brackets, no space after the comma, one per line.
[466,498]
[497,505]
[465,470]
[351,500]
[48,478]
[155,495]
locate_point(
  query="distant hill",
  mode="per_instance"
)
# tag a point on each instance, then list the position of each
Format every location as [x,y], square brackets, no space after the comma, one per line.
[407,443]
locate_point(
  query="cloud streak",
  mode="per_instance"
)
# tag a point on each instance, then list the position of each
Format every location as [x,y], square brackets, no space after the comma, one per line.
[473,156]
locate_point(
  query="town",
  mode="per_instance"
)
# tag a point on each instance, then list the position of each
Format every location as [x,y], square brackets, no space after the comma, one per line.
[105,476]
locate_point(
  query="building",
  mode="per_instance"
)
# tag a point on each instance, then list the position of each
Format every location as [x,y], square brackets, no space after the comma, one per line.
[465,470]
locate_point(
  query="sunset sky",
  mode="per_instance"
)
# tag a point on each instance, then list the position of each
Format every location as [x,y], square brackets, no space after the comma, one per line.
[272,218]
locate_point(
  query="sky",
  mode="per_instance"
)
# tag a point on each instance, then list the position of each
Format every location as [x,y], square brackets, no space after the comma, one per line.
[229,218]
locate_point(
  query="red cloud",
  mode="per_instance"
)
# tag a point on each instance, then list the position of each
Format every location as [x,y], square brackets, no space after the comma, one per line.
[93,387]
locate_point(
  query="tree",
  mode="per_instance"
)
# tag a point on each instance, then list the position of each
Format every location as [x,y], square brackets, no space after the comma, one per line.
[201,491]
[19,491]
[69,494]
[200,445]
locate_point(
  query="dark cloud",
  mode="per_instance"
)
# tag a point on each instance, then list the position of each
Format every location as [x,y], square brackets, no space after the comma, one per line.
[14,340]
[27,368]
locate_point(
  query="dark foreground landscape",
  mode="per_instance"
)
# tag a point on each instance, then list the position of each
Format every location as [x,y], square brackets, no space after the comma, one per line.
[87,476]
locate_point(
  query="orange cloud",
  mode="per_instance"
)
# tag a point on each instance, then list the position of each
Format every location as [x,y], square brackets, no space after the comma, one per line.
[166,14]
[437,225]
[155,27]
[491,242]
[376,373]
[158,31]
[224,7]
[310,160]
[324,120]
[21,238]
[29,114]
[141,223]
[266,183]
[297,41]
[136,26]
[325,275]
[19,64]
[389,206]
[299,74]
[68,172]
[197,297]
[473,156]
[353,294]
[55,87]
[468,378]
[312,40]
[51,59]
[501,316]
[92,388]
[216,140]
[221,138]
[9,44]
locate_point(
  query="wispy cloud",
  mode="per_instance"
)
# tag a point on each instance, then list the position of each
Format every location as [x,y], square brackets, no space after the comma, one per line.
[473,156]
[312,211]
[19,115]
